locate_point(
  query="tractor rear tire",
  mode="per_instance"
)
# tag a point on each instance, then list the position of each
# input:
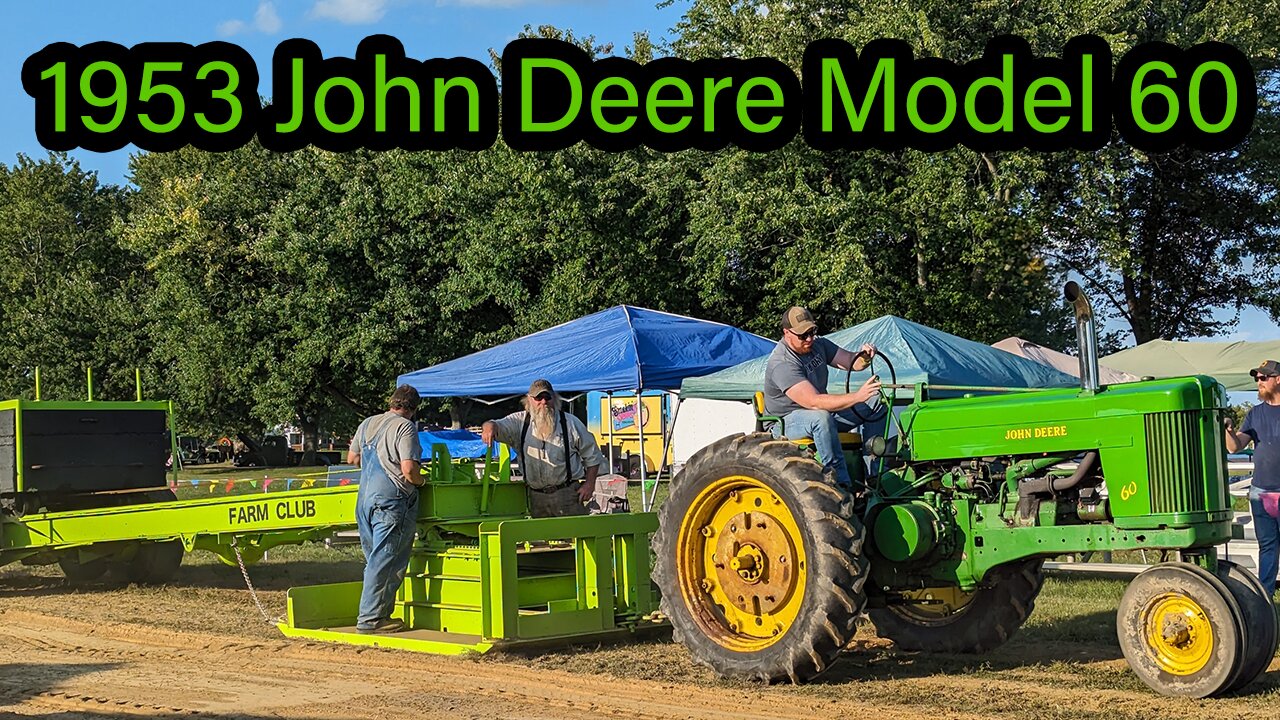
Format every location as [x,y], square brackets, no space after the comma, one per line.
[1260,632]
[759,560]
[980,621]
[1182,631]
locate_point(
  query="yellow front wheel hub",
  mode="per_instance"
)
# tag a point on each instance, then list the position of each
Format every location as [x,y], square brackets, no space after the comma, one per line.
[1179,634]
[741,563]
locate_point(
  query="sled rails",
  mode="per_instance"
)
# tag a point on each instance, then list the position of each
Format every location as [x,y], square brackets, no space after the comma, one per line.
[85,542]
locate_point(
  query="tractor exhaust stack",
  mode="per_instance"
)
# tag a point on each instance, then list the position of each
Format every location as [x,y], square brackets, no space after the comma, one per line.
[1086,337]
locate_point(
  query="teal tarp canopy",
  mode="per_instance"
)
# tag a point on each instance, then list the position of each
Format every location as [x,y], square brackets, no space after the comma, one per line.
[918,354]
[1228,362]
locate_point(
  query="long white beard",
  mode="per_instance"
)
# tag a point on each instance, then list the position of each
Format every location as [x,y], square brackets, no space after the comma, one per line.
[544,421]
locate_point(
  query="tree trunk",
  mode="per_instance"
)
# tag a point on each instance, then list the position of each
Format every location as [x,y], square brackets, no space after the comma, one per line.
[459,408]
[310,433]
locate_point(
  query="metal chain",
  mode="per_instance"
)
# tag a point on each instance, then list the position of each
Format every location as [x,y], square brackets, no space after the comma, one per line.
[249,583]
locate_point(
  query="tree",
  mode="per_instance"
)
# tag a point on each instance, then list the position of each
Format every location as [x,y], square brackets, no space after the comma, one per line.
[1165,240]
[933,237]
[70,289]
[197,219]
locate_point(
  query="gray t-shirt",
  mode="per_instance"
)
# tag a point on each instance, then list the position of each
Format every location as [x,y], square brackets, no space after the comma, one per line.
[542,462]
[395,438]
[786,368]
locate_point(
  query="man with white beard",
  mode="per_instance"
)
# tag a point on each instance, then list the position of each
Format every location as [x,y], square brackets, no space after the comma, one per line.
[1262,428]
[559,467]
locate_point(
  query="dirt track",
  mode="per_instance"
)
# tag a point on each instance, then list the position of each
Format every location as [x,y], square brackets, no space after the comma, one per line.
[57,667]
[198,648]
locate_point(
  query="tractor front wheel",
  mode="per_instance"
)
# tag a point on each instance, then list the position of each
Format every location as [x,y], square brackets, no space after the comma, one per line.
[1181,631]
[950,620]
[759,559]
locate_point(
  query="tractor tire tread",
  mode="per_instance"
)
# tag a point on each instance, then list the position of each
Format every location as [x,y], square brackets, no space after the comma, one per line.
[837,573]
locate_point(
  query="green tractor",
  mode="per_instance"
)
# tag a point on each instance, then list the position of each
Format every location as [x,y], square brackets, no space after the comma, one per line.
[766,566]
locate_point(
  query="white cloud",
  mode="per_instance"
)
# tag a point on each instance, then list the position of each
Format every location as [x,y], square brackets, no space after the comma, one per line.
[266,19]
[350,12]
[230,27]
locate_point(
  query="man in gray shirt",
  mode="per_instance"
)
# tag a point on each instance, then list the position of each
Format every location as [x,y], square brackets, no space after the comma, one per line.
[387,450]
[559,458]
[795,388]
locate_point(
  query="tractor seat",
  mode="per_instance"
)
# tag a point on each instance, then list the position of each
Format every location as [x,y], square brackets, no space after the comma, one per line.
[765,422]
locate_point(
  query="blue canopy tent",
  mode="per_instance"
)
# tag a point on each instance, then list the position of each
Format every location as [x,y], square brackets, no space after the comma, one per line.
[918,353]
[623,348]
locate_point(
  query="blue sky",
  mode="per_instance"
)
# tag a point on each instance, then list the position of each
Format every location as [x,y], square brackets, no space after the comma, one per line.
[428,29]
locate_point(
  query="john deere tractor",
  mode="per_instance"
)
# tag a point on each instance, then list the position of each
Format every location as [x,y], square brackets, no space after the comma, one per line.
[766,565]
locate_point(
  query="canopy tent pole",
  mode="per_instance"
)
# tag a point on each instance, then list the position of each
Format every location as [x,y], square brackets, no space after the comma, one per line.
[648,501]
[644,486]
[608,409]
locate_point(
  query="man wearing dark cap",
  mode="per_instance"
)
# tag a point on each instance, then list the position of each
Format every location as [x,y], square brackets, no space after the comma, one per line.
[558,457]
[387,450]
[1262,428]
[795,388]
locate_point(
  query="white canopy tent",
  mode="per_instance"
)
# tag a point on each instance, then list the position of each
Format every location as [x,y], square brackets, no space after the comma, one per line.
[1069,364]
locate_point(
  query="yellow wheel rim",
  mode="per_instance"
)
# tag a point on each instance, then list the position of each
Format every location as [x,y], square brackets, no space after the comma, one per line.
[1179,633]
[741,564]
[933,606]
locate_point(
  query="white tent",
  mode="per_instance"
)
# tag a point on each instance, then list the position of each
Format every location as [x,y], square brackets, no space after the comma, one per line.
[1069,364]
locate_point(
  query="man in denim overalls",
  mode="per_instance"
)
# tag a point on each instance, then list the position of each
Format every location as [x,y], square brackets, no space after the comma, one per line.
[1262,428]
[387,450]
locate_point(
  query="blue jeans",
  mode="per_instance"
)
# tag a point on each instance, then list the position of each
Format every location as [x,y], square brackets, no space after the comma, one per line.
[1267,529]
[387,519]
[820,425]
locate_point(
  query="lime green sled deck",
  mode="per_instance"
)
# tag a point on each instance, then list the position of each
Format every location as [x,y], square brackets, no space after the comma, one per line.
[522,582]
[254,523]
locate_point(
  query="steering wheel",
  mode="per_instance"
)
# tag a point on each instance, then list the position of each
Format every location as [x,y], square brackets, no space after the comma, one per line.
[886,398]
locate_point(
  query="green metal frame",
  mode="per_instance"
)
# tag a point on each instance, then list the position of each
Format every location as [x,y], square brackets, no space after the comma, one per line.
[1160,447]
[481,575]
[255,523]
[524,581]
[18,406]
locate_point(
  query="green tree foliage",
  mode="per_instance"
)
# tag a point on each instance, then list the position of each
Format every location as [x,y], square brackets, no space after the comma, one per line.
[69,288]
[1169,239]
[934,237]
[258,288]
[285,290]
[978,241]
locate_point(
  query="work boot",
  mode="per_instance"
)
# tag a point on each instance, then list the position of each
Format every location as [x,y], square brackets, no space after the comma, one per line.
[385,625]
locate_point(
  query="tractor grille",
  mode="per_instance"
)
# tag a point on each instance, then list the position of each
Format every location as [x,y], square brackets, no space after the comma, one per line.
[1175,462]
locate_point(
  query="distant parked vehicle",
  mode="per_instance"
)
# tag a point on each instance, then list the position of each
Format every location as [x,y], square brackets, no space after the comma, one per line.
[274,451]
